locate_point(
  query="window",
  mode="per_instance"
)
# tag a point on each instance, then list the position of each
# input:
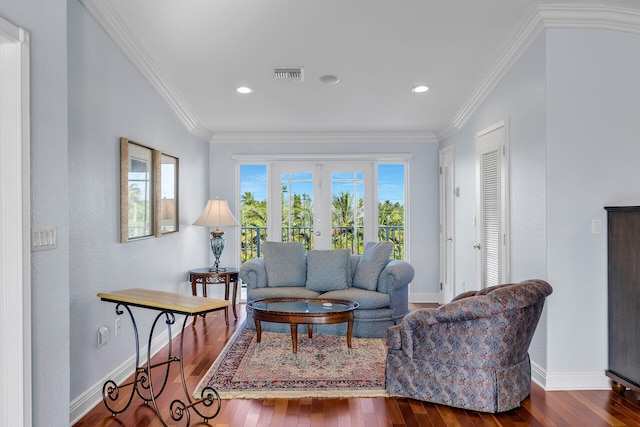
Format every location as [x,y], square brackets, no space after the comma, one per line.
[253,209]
[391,206]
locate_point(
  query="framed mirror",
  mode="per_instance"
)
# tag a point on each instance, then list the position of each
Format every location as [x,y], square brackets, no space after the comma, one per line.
[167,195]
[148,192]
[136,191]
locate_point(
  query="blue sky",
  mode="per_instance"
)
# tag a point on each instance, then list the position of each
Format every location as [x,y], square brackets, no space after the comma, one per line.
[253,178]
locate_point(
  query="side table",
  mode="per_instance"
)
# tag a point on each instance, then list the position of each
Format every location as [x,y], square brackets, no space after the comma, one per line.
[168,305]
[205,277]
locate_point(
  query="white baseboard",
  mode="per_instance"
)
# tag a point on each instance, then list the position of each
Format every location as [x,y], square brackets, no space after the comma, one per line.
[425,298]
[86,401]
[551,381]
[538,375]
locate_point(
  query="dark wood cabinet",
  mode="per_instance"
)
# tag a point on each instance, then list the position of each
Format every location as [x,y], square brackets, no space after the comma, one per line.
[623,228]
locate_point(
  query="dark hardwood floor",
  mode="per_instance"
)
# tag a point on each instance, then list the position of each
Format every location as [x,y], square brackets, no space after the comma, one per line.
[204,342]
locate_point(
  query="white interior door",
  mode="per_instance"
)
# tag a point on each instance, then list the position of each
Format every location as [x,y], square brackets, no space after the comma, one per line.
[447,242]
[492,206]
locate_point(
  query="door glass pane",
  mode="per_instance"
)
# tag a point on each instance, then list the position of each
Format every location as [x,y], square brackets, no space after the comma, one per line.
[347,211]
[297,207]
[253,210]
[391,227]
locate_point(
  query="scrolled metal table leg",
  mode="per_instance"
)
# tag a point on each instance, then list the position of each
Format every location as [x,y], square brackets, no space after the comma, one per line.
[209,395]
[170,320]
[143,378]
[111,390]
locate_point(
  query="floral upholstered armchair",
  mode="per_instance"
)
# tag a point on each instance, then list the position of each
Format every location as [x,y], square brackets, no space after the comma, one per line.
[471,353]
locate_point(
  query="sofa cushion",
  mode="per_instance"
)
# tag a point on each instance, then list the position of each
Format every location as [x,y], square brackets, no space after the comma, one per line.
[368,300]
[374,258]
[328,270]
[285,263]
[284,292]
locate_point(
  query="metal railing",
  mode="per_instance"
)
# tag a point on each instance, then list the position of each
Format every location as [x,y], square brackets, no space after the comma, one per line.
[351,237]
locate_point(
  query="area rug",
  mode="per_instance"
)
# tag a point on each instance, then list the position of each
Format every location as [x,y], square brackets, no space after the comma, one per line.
[322,367]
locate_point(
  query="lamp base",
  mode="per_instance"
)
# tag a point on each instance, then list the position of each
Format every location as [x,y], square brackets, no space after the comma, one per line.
[217,246]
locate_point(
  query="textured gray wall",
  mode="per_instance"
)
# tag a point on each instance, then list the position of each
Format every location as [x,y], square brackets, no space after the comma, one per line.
[47,26]
[108,98]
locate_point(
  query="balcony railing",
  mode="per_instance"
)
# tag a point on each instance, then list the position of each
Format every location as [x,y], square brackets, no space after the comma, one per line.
[351,237]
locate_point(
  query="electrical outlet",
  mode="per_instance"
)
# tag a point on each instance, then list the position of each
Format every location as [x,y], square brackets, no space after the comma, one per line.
[116,329]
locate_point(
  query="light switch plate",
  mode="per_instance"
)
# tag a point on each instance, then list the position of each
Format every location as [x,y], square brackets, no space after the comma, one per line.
[43,239]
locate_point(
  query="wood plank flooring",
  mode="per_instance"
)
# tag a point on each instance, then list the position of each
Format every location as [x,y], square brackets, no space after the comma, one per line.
[204,342]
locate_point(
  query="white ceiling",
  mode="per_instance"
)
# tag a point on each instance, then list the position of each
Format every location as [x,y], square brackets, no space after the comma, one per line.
[196,52]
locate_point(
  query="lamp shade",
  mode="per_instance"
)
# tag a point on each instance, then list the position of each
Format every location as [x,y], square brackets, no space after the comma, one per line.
[217,214]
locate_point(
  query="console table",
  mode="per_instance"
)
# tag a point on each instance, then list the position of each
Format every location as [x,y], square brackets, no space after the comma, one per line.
[168,304]
[205,277]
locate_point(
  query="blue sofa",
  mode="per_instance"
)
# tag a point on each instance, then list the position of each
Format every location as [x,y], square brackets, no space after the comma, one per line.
[378,284]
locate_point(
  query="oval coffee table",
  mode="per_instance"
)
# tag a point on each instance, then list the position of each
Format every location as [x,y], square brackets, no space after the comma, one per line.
[303,311]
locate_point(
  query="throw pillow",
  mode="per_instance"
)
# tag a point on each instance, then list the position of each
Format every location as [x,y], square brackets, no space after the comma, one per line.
[285,264]
[328,270]
[374,258]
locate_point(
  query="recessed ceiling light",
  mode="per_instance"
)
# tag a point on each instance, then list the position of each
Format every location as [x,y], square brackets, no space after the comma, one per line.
[420,89]
[329,79]
[244,90]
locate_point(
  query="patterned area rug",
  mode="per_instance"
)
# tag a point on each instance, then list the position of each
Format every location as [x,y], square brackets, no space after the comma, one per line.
[322,367]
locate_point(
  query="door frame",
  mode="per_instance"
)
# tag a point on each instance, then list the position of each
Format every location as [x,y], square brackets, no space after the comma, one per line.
[322,196]
[504,248]
[15,255]
[446,157]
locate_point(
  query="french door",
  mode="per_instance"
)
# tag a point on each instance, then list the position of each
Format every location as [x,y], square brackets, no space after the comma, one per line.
[324,205]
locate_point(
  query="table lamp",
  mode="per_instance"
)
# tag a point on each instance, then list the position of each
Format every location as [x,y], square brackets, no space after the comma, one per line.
[217,214]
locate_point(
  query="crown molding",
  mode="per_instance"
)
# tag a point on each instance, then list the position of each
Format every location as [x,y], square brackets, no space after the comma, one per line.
[325,137]
[576,16]
[113,25]
[265,157]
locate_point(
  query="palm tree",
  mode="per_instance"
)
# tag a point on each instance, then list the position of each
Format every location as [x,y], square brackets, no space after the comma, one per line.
[253,212]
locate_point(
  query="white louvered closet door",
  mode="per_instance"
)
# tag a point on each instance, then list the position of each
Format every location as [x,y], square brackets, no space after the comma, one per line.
[492,206]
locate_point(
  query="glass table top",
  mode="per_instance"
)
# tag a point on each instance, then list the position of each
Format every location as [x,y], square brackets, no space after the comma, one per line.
[302,306]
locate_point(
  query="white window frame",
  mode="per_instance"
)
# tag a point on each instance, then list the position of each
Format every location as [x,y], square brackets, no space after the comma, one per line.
[375,158]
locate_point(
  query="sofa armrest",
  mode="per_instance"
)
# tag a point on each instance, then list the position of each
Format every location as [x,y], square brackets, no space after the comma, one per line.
[395,275]
[404,336]
[253,273]
[464,295]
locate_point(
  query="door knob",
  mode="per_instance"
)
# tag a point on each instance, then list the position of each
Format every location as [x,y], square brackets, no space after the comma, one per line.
[476,246]
[318,233]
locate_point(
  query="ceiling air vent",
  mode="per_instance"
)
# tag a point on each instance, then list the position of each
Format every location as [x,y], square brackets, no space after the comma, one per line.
[289,74]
